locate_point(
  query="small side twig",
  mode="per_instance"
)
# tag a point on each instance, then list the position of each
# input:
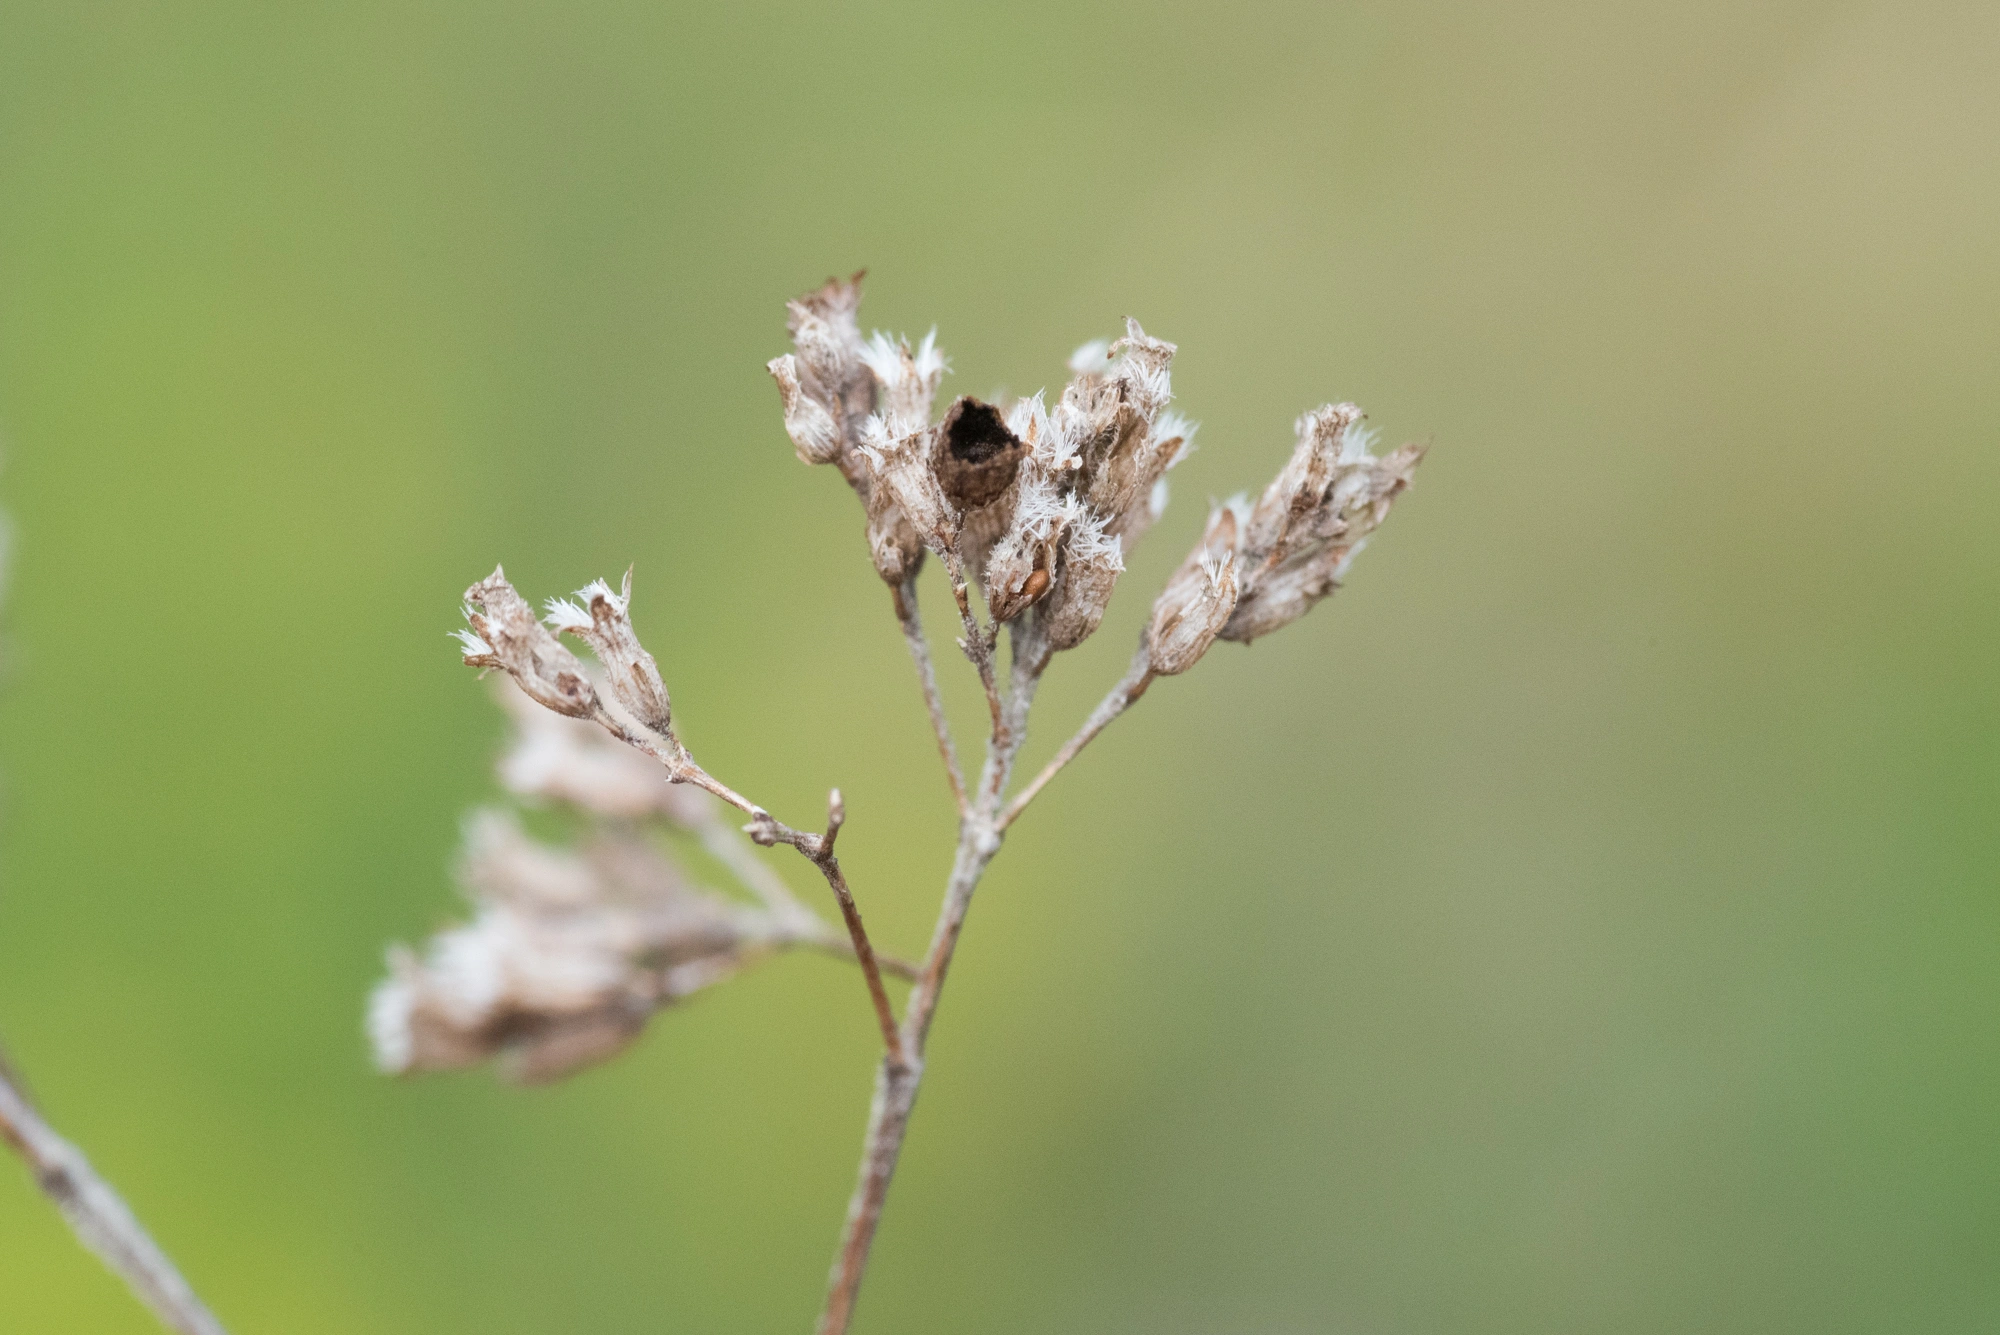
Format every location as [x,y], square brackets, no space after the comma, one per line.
[1129,689]
[819,851]
[729,847]
[99,1216]
[978,641]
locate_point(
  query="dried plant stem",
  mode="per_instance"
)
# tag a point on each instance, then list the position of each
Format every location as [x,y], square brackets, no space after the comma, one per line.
[99,1216]
[829,865]
[1129,688]
[978,642]
[730,848]
[766,829]
[896,1085]
[911,620]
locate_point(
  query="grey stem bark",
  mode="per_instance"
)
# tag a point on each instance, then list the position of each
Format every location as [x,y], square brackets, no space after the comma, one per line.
[99,1217]
[897,1083]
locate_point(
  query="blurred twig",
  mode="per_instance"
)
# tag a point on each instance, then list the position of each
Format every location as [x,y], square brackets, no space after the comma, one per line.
[99,1216]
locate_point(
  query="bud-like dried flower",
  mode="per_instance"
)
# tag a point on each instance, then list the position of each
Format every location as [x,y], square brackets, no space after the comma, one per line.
[605,624]
[830,368]
[898,441]
[908,377]
[1022,564]
[829,393]
[565,957]
[816,436]
[901,469]
[1313,520]
[1110,419]
[506,635]
[1091,562]
[555,759]
[1197,601]
[893,544]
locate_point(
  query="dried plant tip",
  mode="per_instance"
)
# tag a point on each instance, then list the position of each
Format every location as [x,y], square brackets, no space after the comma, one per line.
[1091,563]
[1313,520]
[816,436]
[603,621]
[901,467]
[505,634]
[1022,564]
[977,457]
[829,346]
[1191,611]
[908,377]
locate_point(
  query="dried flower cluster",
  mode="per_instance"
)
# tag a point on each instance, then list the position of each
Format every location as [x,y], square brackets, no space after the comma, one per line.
[1030,506]
[571,947]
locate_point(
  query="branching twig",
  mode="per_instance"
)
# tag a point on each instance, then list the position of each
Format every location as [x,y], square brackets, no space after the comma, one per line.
[829,865]
[729,847]
[99,1216]
[1129,688]
[766,829]
[896,1086]
[1042,503]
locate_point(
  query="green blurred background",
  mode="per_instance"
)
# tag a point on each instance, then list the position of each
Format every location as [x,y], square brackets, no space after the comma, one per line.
[1586,922]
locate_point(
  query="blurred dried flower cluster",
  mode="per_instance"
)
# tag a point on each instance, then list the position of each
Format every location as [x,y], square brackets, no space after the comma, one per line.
[1031,507]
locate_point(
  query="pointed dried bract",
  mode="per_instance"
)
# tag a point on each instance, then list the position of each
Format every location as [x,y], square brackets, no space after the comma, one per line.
[603,621]
[578,764]
[507,635]
[1197,601]
[1091,564]
[1313,520]
[564,958]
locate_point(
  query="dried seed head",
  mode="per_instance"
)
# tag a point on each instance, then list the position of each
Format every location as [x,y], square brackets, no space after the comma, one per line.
[977,455]
[604,623]
[901,470]
[1088,484]
[836,395]
[830,367]
[1197,601]
[897,443]
[1022,564]
[908,377]
[1313,520]
[505,634]
[893,544]
[566,955]
[576,763]
[1091,563]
